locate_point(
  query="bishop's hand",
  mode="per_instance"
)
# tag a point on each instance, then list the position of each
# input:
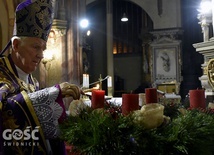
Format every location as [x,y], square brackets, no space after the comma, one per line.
[70,90]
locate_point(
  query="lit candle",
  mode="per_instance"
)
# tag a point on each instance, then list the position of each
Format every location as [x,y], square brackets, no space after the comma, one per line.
[130,102]
[96,87]
[97,99]
[151,95]
[197,98]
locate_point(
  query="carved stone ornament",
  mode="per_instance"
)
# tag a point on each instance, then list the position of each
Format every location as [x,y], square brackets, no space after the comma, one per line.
[210,72]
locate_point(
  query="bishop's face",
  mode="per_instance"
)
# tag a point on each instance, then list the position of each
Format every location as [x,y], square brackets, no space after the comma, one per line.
[28,53]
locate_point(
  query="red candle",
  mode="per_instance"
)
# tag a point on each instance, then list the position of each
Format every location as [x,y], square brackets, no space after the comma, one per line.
[97,99]
[197,98]
[130,102]
[151,95]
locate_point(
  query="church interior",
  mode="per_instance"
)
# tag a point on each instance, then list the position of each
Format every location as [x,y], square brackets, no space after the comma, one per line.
[126,51]
[163,44]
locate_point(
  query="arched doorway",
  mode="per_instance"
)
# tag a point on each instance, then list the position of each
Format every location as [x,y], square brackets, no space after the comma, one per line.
[130,44]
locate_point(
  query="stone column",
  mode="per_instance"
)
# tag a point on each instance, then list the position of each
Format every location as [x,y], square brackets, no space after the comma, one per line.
[109,32]
[75,11]
[213,15]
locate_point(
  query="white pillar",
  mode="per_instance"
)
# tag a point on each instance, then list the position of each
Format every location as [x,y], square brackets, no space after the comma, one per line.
[213,16]
[109,32]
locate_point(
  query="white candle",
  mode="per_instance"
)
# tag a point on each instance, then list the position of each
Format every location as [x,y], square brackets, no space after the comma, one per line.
[87,81]
[109,81]
[84,85]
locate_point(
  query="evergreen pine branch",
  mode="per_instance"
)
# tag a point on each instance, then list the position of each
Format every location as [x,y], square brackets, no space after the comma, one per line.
[97,132]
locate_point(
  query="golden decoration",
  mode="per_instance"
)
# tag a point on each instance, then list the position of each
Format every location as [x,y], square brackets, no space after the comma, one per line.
[27,87]
[210,72]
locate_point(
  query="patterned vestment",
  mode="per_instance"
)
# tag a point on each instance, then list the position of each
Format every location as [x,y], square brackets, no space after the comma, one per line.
[27,115]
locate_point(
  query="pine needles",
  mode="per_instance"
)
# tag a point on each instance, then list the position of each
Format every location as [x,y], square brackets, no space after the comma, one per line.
[97,132]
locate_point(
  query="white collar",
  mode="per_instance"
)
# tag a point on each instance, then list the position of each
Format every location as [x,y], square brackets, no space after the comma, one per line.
[22,75]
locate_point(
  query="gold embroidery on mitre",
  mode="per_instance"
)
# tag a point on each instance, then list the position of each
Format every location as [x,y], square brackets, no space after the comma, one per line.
[35,20]
[44,18]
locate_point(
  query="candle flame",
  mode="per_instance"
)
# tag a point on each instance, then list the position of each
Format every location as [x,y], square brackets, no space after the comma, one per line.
[97,86]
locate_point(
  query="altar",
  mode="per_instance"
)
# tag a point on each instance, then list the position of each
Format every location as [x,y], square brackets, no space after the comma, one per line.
[206,48]
[122,126]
